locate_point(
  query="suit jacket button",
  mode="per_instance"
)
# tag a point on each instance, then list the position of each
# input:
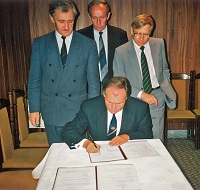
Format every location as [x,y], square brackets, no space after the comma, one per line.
[49,65]
[69,95]
[56,94]
[52,80]
[74,80]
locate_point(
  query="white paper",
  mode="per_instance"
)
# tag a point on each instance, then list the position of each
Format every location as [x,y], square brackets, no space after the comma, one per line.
[139,149]
[80,178]
[117,177]
[107,153]
[103,177]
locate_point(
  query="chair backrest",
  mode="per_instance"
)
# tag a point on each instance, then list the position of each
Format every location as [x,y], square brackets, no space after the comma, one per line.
[197,78]
[7,146]
[184,86]
[22,119]
[192,88]
[20,113]
[26,100]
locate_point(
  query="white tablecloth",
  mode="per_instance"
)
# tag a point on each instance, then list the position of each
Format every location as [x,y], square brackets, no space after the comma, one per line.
[155,167]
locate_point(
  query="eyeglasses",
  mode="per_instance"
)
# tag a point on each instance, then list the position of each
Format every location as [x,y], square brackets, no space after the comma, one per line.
[138,35]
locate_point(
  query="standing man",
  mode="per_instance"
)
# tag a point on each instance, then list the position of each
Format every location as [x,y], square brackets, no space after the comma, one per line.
[63,73]
[107,37]
[115,117]
[143,61]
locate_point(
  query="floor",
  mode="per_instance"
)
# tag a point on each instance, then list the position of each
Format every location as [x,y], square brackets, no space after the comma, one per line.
[185,155]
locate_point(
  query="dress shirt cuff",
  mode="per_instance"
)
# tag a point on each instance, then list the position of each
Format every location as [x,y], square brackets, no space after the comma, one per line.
[139,94]
[80,144]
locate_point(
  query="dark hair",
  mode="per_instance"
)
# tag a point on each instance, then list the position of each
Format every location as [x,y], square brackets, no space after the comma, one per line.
[120,82]
[62,5]
[142,20]
[96,2]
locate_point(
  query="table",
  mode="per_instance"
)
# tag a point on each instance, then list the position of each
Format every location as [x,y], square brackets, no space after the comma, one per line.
[155,167]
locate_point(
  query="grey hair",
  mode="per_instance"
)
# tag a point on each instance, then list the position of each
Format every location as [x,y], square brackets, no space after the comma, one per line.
[62,5]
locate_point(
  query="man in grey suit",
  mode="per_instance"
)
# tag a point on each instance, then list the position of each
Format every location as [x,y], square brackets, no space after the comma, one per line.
[64,72]
[129,63]
[99,13]
[115,116]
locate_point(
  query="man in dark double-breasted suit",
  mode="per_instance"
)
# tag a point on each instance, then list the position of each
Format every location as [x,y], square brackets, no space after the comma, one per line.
[56,90]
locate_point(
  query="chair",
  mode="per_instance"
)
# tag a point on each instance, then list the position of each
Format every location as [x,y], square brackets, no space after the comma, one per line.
[25,139]
[10,158]
[196,107]
[184,86]
[17,180]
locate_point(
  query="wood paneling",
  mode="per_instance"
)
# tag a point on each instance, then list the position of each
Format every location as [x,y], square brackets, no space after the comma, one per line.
[177,21]
[15,45]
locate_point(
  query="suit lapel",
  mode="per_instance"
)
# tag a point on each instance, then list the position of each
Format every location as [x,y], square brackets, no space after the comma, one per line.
[91,32]
[73,56]
[53,51]
[133,68]
[102,122]
[154,54]
[125,120]
[54,58]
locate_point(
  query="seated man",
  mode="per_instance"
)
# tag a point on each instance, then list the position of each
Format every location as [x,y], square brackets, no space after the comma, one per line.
[115,116]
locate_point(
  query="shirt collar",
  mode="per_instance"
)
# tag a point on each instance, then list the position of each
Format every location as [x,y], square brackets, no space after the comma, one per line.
[104,30]
[117,114]
[138,47]
[67,39]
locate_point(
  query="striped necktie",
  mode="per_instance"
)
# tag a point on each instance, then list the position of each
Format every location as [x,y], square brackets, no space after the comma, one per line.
[145,73]
[102,59]
[63,52]
[112,128]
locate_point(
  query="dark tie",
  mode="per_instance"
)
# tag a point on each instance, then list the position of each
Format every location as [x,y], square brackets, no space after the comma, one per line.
[145,73]
[112,128]
[102,59]
[63,52]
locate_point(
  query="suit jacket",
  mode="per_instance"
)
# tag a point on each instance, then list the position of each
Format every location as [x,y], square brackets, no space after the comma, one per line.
[136,121]
[116,37]
[126,64]
[56,92]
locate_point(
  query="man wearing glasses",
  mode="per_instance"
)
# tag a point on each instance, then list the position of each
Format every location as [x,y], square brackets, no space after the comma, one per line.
[143,62]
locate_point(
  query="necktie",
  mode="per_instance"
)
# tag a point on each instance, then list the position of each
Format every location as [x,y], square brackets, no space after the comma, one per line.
[63,52]
[112,128]
[102,59]
[145,73]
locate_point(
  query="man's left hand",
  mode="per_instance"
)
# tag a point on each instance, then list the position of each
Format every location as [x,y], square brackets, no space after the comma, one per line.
[119,140]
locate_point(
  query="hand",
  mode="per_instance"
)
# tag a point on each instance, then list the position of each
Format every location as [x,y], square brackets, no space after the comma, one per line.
[34,118]
[119,140]
[90,147]
[149,98]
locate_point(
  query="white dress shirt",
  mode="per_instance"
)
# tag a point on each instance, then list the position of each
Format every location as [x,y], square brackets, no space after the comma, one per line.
[68,40]
[105,42]
[109,116]
[149,58]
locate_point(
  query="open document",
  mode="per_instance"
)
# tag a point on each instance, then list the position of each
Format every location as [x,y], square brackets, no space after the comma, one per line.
[109,177]
[107,153]
[129,150]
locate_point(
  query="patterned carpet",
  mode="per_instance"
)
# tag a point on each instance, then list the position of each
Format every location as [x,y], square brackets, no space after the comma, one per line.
[187,158]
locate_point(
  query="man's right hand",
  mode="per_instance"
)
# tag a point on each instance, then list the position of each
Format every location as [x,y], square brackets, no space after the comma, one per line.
[34,118]
[90,147]
[149,98]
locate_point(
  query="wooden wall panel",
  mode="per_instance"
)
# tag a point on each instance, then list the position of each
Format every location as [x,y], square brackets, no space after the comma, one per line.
[15,45]
[177,21]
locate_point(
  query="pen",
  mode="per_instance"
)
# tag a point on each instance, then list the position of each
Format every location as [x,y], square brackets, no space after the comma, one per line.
[90,137]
